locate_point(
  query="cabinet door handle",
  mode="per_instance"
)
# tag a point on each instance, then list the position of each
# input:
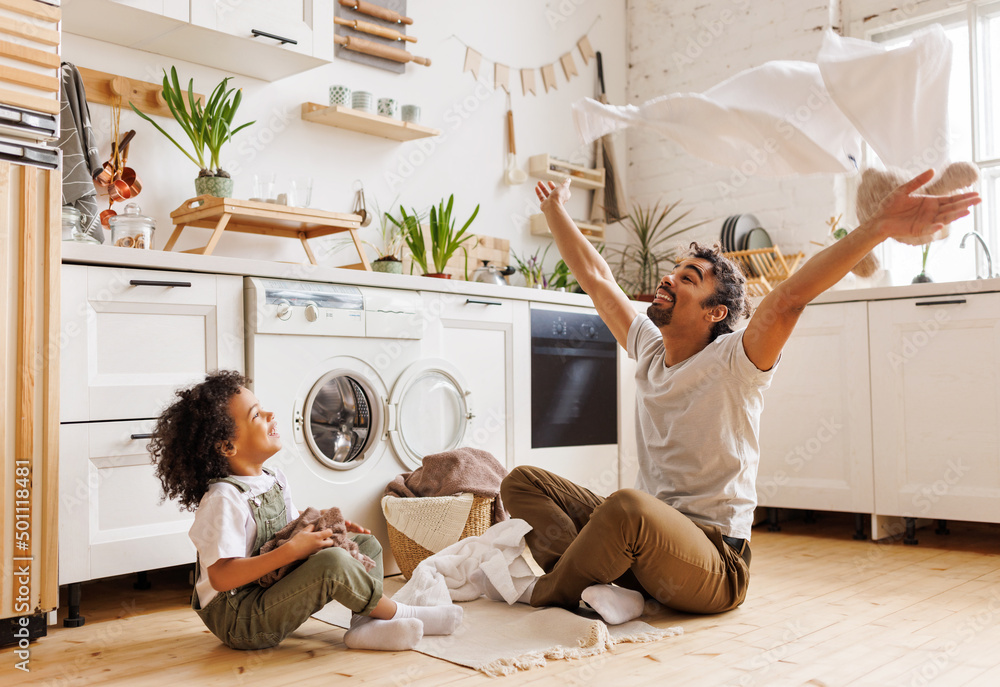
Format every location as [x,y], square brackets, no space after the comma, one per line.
[476,301]
[281,39]
[953,301]
[153,282]
[136,437]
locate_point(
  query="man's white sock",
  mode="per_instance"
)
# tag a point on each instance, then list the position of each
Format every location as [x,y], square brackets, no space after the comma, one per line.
[616,605]
[438,620]
[383,635]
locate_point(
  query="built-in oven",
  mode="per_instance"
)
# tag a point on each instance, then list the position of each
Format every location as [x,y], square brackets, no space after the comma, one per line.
[574,380]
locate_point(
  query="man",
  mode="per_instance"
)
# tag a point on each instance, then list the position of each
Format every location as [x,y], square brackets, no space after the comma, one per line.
[682,535]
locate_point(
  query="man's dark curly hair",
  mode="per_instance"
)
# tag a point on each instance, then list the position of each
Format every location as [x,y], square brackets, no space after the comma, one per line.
[730,287]
[191,435]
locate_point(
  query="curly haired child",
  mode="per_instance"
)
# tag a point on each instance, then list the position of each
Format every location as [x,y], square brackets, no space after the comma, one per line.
[210,447]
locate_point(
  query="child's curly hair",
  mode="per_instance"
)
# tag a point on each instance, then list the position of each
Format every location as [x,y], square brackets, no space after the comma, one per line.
[192,434]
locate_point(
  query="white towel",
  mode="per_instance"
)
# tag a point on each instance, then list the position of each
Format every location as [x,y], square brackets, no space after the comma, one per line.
[785,117]
[455,573]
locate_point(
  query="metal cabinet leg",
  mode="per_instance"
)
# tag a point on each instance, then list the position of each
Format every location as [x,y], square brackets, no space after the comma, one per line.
[74,619]
[141,581]
[859,527]
[942,527]
[910,537]
[772,520]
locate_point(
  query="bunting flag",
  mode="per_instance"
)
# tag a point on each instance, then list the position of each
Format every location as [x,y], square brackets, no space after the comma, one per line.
[501,77]
[502,72]
[472,60]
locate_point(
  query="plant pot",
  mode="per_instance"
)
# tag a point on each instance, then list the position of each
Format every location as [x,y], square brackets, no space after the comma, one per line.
[437,275]
[388,266]
[220,187]
[921,278]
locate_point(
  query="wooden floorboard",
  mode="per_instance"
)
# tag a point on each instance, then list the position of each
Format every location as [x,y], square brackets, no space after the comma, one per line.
[823,610]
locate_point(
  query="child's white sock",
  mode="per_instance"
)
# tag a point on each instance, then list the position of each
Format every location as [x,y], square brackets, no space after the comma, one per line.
[438,620]
[383,635]
[616,605]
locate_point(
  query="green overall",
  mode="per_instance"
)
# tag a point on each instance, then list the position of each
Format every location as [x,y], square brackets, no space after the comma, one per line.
[252,617]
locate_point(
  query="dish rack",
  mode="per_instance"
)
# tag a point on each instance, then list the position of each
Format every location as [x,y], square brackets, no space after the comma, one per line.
[765,268]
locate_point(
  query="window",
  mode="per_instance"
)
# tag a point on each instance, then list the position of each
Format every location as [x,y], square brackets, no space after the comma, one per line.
[973,113]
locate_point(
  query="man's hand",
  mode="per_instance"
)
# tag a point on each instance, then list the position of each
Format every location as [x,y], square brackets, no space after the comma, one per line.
[552,196]
[904,214]
[354,527]
[307,542]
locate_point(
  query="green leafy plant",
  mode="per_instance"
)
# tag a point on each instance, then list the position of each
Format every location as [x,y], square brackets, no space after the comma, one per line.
[561,277]
[444,239]
[532,268]
[412,234]
[208,126]
[390,236]
[640,264]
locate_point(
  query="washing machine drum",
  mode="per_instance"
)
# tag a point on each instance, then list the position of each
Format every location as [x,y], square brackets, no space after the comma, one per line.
[340,421]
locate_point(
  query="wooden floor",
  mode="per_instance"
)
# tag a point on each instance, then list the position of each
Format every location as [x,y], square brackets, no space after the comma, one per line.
[822,610]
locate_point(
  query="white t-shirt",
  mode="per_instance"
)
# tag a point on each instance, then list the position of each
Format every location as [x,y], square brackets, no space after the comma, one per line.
[697,424]
[224,527]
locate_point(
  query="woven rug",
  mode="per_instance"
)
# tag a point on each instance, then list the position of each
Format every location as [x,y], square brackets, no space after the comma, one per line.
[498,639]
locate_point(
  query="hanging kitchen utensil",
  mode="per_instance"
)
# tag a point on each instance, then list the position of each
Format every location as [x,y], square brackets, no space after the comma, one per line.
[373,10]
[513,174]
[379,50]
[359,204]
[607,202]
[374,29]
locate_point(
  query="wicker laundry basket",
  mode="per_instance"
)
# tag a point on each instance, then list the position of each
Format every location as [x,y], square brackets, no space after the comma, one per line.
[408,553]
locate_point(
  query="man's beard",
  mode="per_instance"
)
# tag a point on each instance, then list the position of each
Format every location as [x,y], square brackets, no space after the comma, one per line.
[659,316]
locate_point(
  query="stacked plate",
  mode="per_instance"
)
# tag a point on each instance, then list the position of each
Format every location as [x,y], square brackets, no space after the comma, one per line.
[743,232]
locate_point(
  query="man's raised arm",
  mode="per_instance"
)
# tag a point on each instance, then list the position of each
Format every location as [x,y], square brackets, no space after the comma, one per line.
[902,213]
[590,269]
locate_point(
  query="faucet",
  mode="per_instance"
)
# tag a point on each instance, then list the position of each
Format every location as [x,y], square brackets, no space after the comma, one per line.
[986,249]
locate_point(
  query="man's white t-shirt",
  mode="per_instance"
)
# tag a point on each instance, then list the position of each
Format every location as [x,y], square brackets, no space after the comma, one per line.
[697,426]
[224,527]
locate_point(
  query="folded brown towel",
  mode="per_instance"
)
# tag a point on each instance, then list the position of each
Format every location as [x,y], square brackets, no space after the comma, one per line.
[463,470]
[331,518]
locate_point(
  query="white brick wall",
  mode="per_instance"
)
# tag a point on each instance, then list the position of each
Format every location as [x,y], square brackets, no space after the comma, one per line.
[691,45]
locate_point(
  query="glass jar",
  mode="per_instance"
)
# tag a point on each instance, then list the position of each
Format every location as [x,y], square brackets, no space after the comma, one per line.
[72,226]
[131,229]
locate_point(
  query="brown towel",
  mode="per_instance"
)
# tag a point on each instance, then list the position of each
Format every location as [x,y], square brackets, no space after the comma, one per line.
[463,470]
[331,518]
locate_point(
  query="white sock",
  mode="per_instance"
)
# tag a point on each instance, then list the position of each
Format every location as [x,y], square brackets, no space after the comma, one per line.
[383,635]
[616,605]
[438,620]
[493,595]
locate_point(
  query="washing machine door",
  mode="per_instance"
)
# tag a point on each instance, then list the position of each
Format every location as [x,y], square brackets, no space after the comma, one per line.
[430,409]
[342,419]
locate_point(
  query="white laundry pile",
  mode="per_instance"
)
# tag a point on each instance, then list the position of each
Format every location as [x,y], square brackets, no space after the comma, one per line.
[792,117]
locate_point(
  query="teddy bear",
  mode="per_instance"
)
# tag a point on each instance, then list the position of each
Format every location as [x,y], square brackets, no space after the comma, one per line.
[876,184]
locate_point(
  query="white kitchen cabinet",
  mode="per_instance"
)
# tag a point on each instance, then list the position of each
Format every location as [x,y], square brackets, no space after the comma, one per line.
[216,34]
[815,430]
[131,337]
[475,334]
[935,369]
[111,520]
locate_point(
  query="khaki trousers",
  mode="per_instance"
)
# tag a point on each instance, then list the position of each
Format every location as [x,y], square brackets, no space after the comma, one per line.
[630,538]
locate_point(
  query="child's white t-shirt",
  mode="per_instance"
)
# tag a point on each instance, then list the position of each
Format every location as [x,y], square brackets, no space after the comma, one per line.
[224,527]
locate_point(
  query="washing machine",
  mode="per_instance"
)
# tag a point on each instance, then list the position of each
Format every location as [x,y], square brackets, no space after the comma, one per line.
[356,401]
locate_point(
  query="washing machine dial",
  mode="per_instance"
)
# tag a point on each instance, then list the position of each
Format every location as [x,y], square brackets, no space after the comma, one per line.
[284,309]
[312,312]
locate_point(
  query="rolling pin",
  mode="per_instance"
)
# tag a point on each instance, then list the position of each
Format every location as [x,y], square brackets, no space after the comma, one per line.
[376,11]
[374,29]
[379,50]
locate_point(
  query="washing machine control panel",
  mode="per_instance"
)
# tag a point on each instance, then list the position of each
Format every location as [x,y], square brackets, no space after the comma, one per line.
[278,306]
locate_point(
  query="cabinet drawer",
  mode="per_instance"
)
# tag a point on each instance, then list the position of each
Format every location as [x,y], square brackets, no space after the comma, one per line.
[131,337]
[111,520]
[450,306]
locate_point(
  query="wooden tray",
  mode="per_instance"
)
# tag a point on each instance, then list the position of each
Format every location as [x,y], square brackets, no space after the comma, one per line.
[254,217]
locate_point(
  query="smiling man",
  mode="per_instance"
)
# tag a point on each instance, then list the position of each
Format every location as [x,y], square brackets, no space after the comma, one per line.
[682,535]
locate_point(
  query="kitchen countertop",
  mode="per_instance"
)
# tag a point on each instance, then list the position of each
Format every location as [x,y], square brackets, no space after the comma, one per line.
[187,262]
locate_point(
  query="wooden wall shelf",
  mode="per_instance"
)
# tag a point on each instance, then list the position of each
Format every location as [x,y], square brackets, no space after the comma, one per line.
[365,122]
[539,227]
[547,167]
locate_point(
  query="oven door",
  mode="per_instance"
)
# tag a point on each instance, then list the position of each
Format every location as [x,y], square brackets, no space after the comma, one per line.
[574,380]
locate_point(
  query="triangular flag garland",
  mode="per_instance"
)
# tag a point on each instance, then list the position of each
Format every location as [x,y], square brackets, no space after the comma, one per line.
[501,72]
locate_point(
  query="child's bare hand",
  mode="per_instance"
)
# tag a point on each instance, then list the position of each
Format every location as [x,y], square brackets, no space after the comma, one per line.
[552,196]
[307,542]
[354,527]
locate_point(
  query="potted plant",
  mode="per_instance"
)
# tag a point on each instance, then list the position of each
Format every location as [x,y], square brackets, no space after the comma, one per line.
[531,268]
[208,126]
[444,240]
[390,244]
[640,265]
[922,278]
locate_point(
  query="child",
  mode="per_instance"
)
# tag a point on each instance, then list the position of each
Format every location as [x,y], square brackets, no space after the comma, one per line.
[209,448]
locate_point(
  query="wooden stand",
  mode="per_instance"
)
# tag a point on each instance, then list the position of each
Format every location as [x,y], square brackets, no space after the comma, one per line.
[765,268]
[252,217]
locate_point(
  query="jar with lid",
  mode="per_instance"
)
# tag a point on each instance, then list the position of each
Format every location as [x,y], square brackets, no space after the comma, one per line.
[72,226]
[131,229]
